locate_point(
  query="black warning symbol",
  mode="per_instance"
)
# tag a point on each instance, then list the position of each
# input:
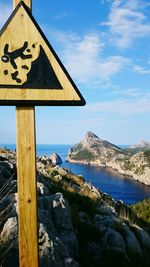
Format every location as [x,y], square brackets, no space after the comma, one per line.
[11,56]
[28,61]
[39,72]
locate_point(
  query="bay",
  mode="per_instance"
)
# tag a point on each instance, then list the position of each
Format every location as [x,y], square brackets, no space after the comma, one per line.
[107,180]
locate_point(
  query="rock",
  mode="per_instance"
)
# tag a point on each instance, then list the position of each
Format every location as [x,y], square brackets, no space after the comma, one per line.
[115,257]
[63,223]
[107,220]
[6,170]
[40,165]
[60,170]
[42,189]
[55,158]
[69,262]
[113,238]
[52,252]
[61,212]
[143,237]
[58,245]
[44,160]
[2,158]
[106,209]
[83,217]
[55,213]
[9,234]
[132,244]
[94,251]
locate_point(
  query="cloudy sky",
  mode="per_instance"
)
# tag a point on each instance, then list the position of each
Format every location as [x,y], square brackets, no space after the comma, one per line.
[104,44]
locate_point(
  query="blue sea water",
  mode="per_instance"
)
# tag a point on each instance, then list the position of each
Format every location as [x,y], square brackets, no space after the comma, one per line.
[118,186]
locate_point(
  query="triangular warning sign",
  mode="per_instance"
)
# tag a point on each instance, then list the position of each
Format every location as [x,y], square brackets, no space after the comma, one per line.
[30,70]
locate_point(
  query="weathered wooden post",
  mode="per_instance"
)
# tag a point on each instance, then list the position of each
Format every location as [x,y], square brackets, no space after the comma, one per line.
[26,177]
[31,74]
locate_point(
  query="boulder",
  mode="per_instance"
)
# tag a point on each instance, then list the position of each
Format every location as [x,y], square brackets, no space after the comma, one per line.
[60,170]
[113,238]
[56,159]
[132,244]
[9,234]
[143,237]
[42,189]
[58,245]
[52,251]
[63,222]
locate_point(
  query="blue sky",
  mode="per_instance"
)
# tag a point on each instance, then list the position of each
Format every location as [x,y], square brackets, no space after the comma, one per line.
[104,45]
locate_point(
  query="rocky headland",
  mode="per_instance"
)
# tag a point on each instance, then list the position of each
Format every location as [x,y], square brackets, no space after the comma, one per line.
[95,151]
[79,225]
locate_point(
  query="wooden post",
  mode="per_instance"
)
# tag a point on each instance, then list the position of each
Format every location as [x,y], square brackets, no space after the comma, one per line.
[27,199]
[27,2]
[27,191]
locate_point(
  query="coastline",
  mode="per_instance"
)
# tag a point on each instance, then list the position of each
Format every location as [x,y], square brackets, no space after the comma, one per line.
[144,179]
[101,176]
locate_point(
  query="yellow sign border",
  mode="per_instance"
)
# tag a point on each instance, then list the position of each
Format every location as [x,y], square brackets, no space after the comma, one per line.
[69,95]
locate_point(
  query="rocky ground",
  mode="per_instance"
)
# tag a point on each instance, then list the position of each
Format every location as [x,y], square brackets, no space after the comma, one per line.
[95,151]
[79,226]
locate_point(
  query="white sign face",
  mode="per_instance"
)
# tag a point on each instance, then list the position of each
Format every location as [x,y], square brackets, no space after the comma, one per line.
[30,71]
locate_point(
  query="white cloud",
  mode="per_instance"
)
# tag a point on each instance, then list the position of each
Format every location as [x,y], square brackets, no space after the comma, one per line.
[83,57]
[140,70]
[127,22]
[85,61]
[5,11]
[127,107]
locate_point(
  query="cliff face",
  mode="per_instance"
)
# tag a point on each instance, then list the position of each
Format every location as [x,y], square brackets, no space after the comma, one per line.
[95,151]
[78,224]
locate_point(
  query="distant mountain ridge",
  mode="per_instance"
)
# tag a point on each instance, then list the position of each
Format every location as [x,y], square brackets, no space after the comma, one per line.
[95,151]
[142,144]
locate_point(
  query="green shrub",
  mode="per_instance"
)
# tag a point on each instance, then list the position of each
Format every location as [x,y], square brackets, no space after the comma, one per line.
[139,170]
[127,165]
[147,156]
[83,155]
[143,209]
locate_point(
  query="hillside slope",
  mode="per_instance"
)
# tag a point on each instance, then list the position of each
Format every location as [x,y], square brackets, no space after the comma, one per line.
[78,224]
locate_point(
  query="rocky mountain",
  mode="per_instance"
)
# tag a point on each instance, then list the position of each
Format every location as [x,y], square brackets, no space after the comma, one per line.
[95,151]
[78,224]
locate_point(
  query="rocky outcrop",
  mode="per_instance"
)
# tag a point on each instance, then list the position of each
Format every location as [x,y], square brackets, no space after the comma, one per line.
[95,151]
[57,241]
[79,225]
[56,159]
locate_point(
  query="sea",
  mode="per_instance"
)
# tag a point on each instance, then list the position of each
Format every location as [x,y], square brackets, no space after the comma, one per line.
[117,186]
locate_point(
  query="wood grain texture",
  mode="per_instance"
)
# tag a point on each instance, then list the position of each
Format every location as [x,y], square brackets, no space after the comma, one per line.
[27,2]
[27,185]
[27,197]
